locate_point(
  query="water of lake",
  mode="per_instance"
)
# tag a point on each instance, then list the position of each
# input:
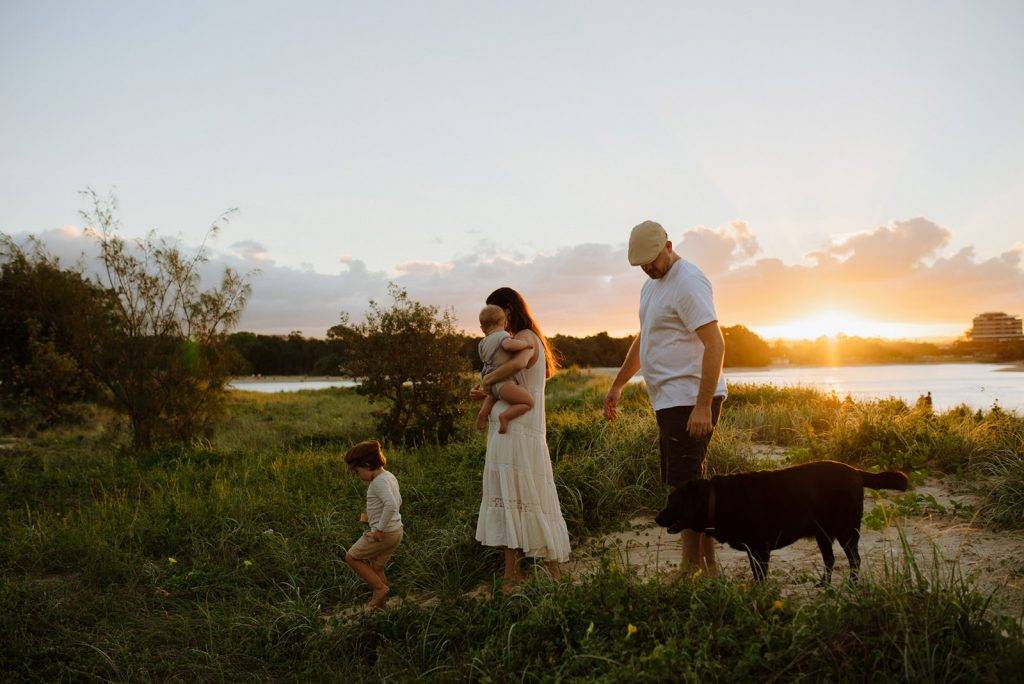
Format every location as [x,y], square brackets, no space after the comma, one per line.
[979,385]
[273,386]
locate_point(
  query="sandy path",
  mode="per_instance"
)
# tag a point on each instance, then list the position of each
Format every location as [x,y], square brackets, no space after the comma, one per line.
[994,560]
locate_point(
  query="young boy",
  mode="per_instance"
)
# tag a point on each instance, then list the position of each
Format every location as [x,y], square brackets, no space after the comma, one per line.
[496,348]
[368,556]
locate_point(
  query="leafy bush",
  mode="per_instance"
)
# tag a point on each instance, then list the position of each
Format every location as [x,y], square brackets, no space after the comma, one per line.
[409,358]
[42,310]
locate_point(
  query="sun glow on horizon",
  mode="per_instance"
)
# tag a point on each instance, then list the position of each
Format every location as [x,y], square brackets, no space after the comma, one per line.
[832,322]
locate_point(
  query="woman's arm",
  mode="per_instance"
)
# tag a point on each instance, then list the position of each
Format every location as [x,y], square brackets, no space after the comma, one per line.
[517,363]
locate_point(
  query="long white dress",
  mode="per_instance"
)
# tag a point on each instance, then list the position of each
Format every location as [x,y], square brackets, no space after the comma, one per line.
[520,508]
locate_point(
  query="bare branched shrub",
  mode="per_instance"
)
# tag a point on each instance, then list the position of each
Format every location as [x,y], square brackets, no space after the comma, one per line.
[150,335]
[166,365]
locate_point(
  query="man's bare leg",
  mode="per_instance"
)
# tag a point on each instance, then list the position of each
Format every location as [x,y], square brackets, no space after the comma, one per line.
[699,553]
[691,550]
[707,549]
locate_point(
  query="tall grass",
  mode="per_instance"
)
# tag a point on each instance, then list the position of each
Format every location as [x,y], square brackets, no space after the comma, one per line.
[220,560]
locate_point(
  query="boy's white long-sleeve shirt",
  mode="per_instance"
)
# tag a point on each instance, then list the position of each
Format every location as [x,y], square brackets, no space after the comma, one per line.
[383,499]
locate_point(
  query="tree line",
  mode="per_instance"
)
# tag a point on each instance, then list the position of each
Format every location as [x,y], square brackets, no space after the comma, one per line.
[294,354]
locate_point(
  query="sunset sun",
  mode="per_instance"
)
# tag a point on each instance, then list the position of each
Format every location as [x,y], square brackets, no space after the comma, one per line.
[830,322]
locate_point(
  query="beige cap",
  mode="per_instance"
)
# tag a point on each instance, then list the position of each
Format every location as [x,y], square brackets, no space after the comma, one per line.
[646,242]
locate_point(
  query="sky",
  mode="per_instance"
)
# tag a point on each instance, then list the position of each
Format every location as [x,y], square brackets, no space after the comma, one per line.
[853,168]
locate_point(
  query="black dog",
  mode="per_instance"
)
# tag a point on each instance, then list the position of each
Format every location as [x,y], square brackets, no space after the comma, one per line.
[758,512]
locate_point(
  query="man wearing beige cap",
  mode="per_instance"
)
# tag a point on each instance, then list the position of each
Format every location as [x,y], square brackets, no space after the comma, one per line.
[679,350]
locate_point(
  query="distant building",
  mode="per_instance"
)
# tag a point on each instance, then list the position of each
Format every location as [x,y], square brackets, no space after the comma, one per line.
[996,326]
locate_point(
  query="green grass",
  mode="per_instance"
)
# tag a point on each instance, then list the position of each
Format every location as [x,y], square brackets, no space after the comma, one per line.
[220,560]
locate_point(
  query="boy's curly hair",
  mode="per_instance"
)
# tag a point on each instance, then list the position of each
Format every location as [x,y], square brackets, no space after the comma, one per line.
[368,454]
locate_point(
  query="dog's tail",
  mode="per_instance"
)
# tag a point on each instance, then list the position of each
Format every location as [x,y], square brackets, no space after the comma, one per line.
[890,479]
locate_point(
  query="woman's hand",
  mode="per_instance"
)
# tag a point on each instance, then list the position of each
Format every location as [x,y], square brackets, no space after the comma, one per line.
[478,393]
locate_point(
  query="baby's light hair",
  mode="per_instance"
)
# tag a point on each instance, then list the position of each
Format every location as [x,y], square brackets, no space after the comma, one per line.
[491,316]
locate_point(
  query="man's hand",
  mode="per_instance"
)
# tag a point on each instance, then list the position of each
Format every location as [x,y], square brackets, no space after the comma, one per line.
[699,424]
[478,393]
[611,402]
[377,535]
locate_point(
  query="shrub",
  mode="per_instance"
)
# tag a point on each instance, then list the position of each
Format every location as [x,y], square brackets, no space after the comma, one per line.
[42,310]
[409,358]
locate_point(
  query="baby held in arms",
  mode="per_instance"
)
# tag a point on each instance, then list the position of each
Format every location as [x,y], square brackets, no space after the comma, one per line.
[497,347]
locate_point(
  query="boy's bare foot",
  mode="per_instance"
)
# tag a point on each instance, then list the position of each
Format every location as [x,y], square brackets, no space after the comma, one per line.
[376,601]
[503,425]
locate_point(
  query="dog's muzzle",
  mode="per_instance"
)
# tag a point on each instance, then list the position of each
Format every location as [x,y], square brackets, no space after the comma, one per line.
[671,527]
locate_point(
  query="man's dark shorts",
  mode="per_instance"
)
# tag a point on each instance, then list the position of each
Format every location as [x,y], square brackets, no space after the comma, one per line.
[682,456]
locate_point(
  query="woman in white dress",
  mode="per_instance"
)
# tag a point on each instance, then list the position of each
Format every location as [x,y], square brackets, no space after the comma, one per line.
[520,511]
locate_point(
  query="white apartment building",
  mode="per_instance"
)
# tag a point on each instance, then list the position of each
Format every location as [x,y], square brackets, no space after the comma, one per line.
[996,326]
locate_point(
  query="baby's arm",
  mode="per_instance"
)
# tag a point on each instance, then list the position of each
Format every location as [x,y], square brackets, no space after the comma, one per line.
[512,344]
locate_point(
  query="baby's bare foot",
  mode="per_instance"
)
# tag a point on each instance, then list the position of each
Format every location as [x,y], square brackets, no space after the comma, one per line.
[377,600]
[503,425]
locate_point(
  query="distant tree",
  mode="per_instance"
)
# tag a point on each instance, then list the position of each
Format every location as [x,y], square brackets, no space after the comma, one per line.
[288,355]
[744,347]
[407,356]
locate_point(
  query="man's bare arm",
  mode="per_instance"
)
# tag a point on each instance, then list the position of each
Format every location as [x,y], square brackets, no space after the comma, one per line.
[630,366]
[710,372]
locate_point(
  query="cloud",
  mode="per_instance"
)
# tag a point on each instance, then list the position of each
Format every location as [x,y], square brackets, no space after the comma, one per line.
[892,273]
[900,272]
[718,249]
[250,250]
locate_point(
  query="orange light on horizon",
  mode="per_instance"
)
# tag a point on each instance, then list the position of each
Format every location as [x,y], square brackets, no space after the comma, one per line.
[833,322]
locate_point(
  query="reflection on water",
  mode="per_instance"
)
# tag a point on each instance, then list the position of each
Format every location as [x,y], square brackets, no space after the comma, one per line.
[979,385]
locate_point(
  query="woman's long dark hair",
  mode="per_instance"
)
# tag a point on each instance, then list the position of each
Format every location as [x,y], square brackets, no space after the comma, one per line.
[520,318]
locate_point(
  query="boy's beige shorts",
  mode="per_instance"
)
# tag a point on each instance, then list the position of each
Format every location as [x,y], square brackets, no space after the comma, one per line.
[377,553]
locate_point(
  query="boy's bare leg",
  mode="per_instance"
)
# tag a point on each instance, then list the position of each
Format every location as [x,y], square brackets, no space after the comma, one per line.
[380,573]
[520,401]
[370,576]
[485,412]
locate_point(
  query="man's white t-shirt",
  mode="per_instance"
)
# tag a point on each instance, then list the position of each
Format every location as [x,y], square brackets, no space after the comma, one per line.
[671,309]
